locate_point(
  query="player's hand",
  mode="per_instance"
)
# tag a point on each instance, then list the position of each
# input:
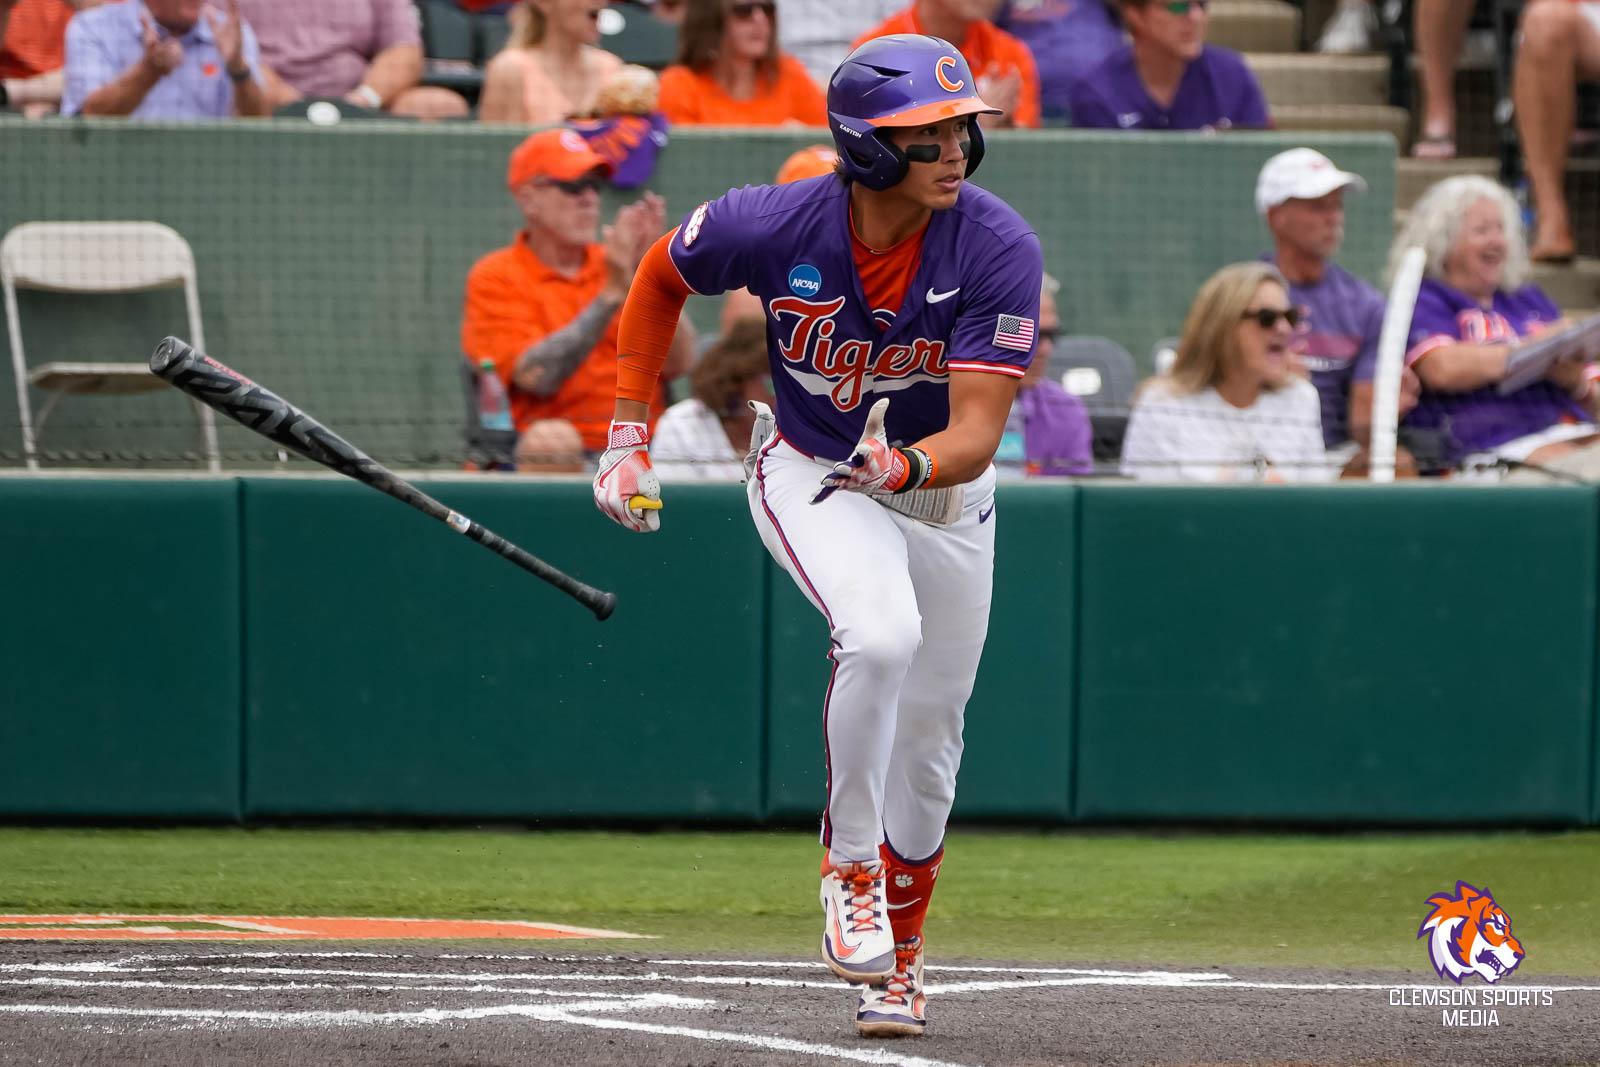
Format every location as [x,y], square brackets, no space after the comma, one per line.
[227,35]
[161,55]
[872,466]
[626,488]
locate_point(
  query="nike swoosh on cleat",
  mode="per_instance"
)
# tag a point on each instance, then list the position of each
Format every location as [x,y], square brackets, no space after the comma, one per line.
[934,298]
[840,952]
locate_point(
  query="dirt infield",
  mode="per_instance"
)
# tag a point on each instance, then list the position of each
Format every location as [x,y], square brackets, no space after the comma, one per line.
[405,1004]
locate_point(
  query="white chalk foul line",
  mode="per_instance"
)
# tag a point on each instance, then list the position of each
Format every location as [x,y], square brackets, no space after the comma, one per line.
[566,1013]
[422,1016]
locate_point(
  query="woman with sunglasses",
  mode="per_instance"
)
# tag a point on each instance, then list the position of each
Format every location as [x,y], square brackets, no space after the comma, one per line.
[1168,78]
[550,68]
[1232,408]
[730,71]
[901,307]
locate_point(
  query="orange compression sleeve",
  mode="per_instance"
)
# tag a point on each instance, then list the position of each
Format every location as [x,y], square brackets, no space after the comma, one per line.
[649,320]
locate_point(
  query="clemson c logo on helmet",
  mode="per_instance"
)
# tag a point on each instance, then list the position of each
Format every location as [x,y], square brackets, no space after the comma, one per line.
[947,62]
[1470,935]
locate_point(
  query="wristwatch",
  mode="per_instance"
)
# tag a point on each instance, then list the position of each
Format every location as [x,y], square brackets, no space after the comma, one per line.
[369,96]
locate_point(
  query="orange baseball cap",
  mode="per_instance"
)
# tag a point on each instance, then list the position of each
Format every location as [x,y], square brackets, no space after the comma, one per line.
[810,162]
[559,154]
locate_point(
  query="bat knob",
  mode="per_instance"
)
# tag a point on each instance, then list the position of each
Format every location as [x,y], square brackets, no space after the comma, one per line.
[604,606]
[168,352]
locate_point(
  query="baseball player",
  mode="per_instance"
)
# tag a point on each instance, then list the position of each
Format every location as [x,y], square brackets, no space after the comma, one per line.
[901,308]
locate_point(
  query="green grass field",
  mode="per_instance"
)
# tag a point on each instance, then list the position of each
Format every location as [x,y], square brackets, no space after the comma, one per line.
[1325,901]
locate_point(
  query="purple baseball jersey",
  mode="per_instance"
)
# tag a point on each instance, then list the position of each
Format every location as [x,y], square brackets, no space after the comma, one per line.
[1218,92]
[1342,317]
[1068,39]
[1481,420]
[973,304]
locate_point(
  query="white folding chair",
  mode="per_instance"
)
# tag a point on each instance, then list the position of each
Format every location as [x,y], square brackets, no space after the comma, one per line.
[96,257]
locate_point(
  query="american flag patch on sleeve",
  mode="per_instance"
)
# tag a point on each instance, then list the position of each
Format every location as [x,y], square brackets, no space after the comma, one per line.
[1013,331]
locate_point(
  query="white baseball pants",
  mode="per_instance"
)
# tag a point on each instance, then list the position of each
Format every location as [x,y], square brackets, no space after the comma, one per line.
[907,606]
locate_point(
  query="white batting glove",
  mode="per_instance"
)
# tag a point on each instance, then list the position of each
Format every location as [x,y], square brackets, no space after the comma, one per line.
[626,489]
[872,466]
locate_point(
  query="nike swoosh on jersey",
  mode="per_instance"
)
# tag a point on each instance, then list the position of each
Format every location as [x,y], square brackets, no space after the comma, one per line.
[934,298]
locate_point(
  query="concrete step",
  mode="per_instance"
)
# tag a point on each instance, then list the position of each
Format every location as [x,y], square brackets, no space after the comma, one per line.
[1412,176]
[1304,78]
[1254,25]
[1391,120]
[1574,286]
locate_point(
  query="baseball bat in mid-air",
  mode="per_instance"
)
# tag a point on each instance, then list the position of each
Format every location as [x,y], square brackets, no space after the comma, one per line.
[274,418]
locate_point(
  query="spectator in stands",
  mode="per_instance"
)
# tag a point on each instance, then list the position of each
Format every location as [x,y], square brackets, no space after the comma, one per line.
[1300,193]
[1231,408]
[544,309]
[1438,28]
[550,68]
[162,59]
[705,437]
[1007,77]
[1474,306]
[1168,78]
[33,36]
[365,52]
[730,71]
[1068,39]
[818,32]
[1560,46]
[1047,433]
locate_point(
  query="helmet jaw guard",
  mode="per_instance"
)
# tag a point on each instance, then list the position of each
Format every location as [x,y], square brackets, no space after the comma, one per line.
[900,80]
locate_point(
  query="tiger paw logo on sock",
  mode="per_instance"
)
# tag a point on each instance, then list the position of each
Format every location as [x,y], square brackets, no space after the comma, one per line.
[1468,933]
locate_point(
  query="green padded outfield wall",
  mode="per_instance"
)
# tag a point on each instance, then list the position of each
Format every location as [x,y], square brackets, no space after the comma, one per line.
[120,633]
[397,669]
[1017,764]
[1409,654]
[332,260]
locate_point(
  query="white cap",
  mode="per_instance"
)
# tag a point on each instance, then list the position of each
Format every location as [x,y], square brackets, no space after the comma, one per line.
[1301,174]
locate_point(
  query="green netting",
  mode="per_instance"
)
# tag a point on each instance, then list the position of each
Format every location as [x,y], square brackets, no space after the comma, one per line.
[331,260]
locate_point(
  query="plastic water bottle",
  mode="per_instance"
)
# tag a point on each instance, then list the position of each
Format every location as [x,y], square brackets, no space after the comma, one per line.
[494,406]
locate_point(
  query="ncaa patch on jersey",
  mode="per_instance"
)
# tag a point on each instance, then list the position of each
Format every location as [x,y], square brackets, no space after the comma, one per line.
[805,280]
[1013,331]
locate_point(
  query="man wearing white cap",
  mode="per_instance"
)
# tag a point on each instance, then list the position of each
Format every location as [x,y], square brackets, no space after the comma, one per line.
[1300,193]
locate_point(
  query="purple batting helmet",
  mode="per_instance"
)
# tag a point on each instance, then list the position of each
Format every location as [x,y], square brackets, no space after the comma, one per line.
[904,79]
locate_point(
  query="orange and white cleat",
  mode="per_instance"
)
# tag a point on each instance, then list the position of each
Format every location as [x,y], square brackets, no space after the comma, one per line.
[857,943]
[898,1007]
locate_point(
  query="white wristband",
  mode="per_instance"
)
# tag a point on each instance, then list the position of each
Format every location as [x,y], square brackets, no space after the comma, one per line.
[368,95]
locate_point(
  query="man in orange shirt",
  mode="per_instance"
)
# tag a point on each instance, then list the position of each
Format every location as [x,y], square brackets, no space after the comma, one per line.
[32,52]
[1007,76]
[544,308]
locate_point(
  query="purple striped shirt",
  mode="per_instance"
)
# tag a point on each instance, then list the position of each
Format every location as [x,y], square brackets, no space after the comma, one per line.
[103,42]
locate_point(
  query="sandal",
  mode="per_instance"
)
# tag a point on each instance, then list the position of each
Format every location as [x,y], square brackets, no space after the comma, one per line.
[1439,146]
